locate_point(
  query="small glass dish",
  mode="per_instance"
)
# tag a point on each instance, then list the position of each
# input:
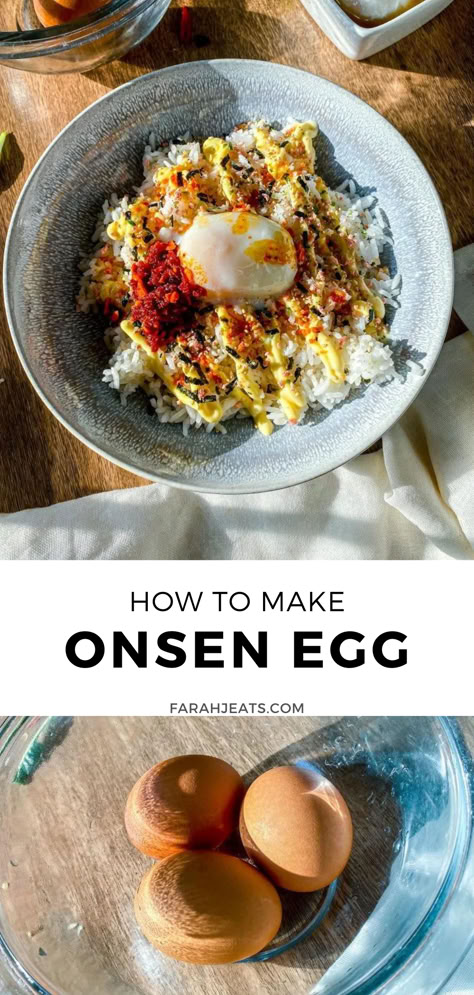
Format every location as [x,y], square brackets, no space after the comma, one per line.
[398,922]
[359,42]
[79,45]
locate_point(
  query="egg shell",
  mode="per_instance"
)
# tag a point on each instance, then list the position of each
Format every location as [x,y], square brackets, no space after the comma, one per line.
[207,908]
[186,802]
[297,827]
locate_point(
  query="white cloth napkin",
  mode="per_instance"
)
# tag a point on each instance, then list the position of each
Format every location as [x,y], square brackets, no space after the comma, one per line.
[414,499]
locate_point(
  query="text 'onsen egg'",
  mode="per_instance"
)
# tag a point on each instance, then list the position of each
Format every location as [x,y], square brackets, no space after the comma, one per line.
[239,255]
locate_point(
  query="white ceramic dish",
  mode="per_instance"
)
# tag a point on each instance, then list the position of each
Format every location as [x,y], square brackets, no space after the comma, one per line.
[357,42]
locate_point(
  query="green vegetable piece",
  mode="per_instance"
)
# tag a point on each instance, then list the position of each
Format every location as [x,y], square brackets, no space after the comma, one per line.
[3,138]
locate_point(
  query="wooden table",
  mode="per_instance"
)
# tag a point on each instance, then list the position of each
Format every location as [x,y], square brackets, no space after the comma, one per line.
[421,85]
[83,870]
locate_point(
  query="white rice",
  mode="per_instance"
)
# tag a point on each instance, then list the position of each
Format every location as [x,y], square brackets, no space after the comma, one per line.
[368,360]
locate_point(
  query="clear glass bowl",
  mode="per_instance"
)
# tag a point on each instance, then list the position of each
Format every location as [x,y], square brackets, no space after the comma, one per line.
[399,920]
[80,45]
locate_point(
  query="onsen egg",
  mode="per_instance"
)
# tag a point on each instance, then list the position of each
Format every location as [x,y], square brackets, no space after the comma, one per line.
[239,255]
[207,908]
[187,802]
[297,827]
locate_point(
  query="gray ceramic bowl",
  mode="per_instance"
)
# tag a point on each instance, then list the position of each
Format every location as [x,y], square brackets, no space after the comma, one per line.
[100,152]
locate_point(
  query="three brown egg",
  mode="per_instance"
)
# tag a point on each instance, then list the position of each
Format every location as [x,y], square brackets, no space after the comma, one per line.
[207,907]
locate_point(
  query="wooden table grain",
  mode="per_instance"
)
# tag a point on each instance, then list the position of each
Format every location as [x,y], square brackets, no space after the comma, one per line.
[423,85]
[82,870]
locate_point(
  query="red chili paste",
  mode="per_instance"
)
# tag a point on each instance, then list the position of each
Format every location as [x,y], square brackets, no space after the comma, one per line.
[165,295]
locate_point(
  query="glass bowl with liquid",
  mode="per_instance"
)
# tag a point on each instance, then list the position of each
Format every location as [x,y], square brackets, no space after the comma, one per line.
[397,922]
[73,35]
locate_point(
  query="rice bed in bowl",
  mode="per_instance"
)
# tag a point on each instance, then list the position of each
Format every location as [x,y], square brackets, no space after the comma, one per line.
[205,359]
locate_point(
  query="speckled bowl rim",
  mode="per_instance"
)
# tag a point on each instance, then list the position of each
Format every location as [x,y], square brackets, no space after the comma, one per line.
[386,422]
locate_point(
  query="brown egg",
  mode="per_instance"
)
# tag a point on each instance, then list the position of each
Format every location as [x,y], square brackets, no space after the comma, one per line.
[207,908]
[297,827]
[53,12]
[185,803]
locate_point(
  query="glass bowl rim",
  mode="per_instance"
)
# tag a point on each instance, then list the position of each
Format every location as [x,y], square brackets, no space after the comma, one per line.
[39,42]
[394,966]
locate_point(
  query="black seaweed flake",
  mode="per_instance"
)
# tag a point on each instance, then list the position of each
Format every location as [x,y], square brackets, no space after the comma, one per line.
[148,237]
[195,380]
[318,311]
[230,386]
[301,287]
[258,153]
[285,143]
[136,324]
[125,301]
[272,331]
[305,238]
[194,397]
[290,362]
[300,214]
[193,172]
[338,276]
[271,388]
[224,161]
[302,182]
[266,312]
[204,198]
[237,168]
[297,373]
[206,309]
[200,337]
[232,352]
[179,178]
[199,371]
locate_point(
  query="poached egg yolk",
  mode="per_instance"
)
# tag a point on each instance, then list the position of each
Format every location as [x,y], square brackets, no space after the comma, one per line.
[239,255]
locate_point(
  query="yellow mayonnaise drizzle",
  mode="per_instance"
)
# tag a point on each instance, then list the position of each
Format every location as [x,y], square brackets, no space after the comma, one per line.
[211,411]
[256,367]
